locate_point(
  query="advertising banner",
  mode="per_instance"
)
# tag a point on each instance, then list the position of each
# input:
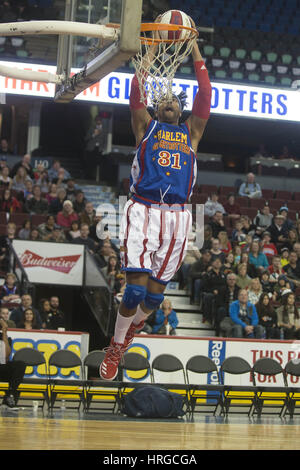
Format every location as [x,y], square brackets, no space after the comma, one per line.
[47,342]
[218,350]
[227,98]
[51,263]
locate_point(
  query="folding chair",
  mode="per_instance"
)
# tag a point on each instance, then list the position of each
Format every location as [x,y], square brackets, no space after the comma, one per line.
[237,396]
[170,364]
[292,368]
[268,396]
[33,388]
[204,395]
[139,366]
[65,359]
[100,392]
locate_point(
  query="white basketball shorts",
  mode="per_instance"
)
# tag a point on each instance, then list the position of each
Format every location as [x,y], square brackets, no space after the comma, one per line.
[153,240]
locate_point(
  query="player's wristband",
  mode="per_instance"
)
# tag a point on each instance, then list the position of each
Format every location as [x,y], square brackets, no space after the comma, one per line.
[202,102]
[135,95]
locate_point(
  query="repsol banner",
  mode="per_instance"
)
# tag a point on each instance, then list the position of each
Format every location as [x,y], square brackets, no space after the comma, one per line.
[227,99]
[218,350]
[47,342]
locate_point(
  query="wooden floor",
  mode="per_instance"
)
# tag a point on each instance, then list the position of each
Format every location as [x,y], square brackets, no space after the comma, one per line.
[25,432]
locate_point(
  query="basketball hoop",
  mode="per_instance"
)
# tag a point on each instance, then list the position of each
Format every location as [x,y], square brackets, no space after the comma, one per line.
[159,58]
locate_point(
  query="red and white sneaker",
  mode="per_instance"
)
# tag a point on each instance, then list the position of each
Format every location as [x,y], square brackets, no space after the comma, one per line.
[131,332]
[109,367]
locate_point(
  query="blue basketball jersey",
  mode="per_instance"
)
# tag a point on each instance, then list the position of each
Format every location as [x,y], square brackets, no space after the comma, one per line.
[164,168]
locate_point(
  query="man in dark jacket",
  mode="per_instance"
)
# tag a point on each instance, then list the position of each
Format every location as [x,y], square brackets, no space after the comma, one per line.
[195,277]
[214,288]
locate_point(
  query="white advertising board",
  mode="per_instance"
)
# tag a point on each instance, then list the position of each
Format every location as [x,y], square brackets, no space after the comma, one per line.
[51,263]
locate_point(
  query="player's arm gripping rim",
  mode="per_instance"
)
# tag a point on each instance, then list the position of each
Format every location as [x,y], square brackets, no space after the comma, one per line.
[201,107]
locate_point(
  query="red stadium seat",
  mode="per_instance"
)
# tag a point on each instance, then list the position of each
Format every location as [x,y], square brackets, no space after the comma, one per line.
[267,193]
[3,229]
[286,195]
[208,188]
[19,218]
[297,196]
[257,203]
[37,219]
[3,217]
[276,204]
[249,211]
[225,190]
[294,206]
[242,201]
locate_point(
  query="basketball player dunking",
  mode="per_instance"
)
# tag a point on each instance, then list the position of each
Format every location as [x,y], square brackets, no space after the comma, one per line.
[155,224]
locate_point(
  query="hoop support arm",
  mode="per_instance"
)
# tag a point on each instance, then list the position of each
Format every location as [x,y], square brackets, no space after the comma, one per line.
[24,28]
[31,75]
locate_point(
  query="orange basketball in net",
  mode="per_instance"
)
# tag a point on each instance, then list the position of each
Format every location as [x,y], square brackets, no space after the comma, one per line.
[175,17]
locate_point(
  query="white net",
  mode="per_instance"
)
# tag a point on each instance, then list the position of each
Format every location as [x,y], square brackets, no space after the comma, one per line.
[157,62]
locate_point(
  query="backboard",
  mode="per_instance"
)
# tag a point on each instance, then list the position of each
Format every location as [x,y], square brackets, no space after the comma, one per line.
[85,60]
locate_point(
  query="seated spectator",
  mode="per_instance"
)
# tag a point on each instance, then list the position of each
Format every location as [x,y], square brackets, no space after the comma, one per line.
[238,235]
[225,245]
[113,274]
[56,317]
[17,313]
[267,247]
[214,286]
[292,269]
[28,321]
[5,179]
[10,291]
[67,215]
[262,152]
[51,195]
[244,318]
[80,202]
[4,314]
[37,204]
[207,237]
[237,252]
[285,154]
[9,203]
[28,193]
[4,148]
[19,180]
[192,255]
[251,269]
[212,206]
[43,181]
[57,235]
[105,252]
[288,318]
[267,317]
[53,171]
[297,224]
[284,256]
[222,313]
[247,226]
[257,257]
[84,239]
[74,231]
[215,251]
[232,208]
[288,223]
[196,274]
[34,235]
[61,180]
[250,188]
[296,249]
[217,224]
[71,188]
[25,163]
[281,288]
[56,205]
[88,214]
[279,233]
[264,218]
[243,281]
[165,318]
[11,229]
[46,229]
[266,284]
[44,309]
[292,239]
[254,291]
[275,269]
[228,265]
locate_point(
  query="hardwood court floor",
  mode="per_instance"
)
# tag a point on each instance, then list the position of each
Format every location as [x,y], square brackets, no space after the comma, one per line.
[25,432]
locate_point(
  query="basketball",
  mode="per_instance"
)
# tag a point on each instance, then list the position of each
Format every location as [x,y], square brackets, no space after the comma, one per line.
[175,17]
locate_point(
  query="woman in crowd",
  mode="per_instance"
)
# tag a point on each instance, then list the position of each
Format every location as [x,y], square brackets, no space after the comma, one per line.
[225,244]
[288,317]
[44,310]
[243,281]
[10,291]
[19,180]
[74,231]
[5,179]
[67,215]
[267,317]
[24,233]
[28,321]
[56,204]
[166,320]
[254,291]
[257,258]
[9,203]
[51,195]
[251,270]
[113,274]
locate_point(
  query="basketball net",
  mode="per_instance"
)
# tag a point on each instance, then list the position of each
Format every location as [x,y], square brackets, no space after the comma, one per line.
[158,59]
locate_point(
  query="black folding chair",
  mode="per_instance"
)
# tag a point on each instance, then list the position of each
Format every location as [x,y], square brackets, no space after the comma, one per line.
[292,368]
[203,395]
[33,388]
[139,367]
[169,365]
[65,359]
[101,393]
[268,396]
[237,396]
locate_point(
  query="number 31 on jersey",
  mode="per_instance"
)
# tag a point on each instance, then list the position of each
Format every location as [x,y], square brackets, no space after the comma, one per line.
[167,159]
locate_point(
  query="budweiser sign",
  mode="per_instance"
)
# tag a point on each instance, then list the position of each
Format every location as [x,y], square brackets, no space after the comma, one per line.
[62,264]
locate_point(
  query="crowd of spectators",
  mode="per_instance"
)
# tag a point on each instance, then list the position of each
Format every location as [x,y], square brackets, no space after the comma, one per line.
[47,206]
[254,264]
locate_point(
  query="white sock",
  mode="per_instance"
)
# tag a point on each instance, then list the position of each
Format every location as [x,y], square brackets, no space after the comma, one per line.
[121,327]
[140,315]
